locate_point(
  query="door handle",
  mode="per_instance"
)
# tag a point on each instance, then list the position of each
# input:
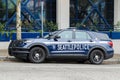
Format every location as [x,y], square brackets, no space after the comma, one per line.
[91,40]
[69,41]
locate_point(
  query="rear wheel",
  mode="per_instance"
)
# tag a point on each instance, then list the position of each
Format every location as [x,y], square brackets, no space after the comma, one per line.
[96,57]
[37,55]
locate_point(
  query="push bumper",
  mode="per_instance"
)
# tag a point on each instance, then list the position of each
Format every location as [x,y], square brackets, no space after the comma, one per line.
[17,50]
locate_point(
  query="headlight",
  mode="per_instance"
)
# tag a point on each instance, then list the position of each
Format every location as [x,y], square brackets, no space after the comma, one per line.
[18,43]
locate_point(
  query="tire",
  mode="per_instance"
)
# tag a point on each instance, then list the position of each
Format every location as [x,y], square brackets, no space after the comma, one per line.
[37,55]
[96,57]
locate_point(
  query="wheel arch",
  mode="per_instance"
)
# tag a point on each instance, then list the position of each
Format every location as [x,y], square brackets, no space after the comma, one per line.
[97,48]
[41,46]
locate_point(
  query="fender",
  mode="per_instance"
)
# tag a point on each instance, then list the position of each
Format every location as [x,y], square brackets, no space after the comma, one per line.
[97,47]
[39,44]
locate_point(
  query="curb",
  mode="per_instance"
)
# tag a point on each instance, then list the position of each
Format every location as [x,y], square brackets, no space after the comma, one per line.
[11,58]
[4,58]
[112,61]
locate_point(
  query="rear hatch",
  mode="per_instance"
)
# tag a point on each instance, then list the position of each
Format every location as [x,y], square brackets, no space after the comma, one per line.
[103,37]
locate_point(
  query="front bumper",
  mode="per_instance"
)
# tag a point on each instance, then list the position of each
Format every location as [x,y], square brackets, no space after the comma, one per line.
[16,47]
[17,50]
[20,53]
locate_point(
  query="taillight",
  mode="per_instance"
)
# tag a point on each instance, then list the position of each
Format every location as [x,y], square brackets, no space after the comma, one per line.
[110,43]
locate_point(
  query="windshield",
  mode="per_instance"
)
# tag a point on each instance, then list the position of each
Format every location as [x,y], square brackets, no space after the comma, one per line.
[51,34]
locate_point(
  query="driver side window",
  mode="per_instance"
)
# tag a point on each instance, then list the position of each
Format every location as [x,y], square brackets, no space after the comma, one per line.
[65,35]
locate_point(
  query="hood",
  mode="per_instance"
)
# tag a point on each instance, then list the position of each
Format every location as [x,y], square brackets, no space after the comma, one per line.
[37,40]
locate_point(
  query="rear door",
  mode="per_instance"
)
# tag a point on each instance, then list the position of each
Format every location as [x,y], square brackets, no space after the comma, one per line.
[82,40]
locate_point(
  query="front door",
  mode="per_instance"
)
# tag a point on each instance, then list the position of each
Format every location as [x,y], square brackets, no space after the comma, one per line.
[63,45]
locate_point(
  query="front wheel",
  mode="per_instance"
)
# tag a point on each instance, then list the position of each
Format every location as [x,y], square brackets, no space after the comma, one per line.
[37,55]
[96,57]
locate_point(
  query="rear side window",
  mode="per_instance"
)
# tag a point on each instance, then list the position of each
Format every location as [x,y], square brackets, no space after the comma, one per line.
[102,36]
[82,35]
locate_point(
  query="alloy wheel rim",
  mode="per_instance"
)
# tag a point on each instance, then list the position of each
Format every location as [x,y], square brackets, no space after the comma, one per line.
[37,55]
[97,57]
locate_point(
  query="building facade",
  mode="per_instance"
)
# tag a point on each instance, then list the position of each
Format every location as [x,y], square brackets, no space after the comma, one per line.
[99,14]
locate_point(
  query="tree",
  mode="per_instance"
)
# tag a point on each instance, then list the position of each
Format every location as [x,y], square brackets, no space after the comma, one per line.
[18,20]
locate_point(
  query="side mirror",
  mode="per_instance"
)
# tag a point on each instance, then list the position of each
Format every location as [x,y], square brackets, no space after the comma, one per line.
[56,37]
[91,40]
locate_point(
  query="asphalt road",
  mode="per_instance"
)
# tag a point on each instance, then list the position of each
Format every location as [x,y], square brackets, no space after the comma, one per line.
[58,71]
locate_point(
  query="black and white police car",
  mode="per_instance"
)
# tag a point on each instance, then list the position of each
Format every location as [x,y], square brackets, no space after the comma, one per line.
[68,43]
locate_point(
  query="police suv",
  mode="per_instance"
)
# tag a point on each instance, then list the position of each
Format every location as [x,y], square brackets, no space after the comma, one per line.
[68,43]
